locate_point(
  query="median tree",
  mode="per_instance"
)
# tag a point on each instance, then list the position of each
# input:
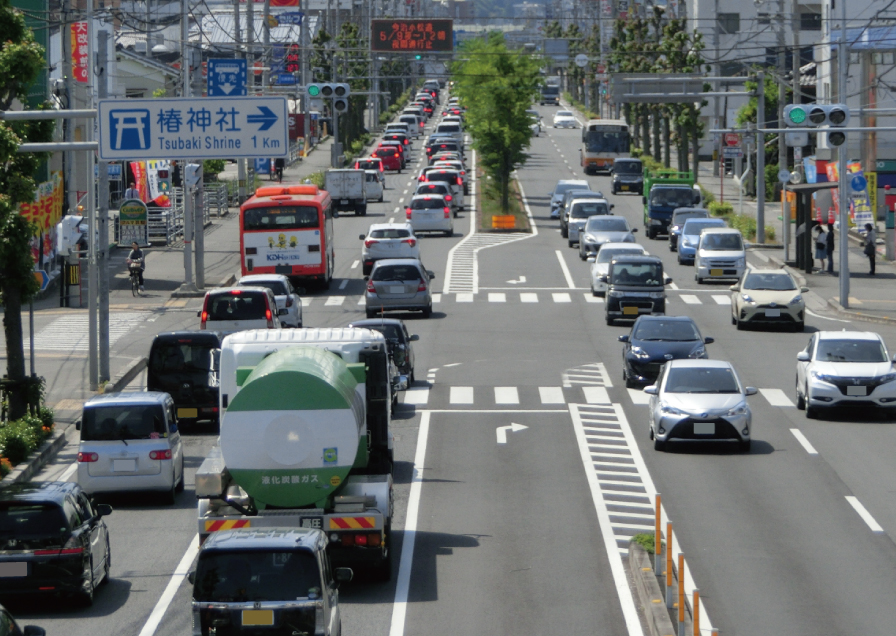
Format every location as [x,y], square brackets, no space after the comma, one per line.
[497,86]
[21,60]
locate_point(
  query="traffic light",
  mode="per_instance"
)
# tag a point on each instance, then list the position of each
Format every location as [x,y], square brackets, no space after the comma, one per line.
[337,92]
[418,57]
[313,90]
[819,115]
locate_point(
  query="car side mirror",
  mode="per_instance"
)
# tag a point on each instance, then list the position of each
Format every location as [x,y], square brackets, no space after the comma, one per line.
[612,205]
[33,630]
[283,311]
[708,340]
[362,236]
[751,390]
[103,510]
[667,280]
[401,383]
[634,230]
[77,425]
[803,290]
[199,314]
[803,356]
[343,575]
[591,258]
[191,577]
[602,278]
[623,338]
[734,288]
[651,390]
[414,338]
[431,274]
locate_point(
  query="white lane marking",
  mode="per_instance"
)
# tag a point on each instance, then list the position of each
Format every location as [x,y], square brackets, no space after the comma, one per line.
[409,536]
[689,299]
[405,192]
[528,297]
[565,269]
[496,297]
[814,315]
[306,302]
[722,300]
[673,286]
[551,395]
[776,397]
[68,472]
[464,298]
[343,284]
[453,364]
[638,396]
[180,573]
[864,514]
[798,434]
[506,395]
[395,211]
[416,395]
[436,298]
[596,395]
[461,395]
[561,297]
[362,300]
[355,265]
[334,301]
[591,298]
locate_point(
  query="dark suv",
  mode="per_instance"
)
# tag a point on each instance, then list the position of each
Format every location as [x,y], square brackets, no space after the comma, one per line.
[628,176]
[635,285]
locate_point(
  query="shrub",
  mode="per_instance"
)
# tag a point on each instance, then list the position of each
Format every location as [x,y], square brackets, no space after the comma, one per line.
[720,209]
[708,197]
[5,467]
[646,541]
[47,417]
[317,178]
[770,234]
[212,167]
[746,225]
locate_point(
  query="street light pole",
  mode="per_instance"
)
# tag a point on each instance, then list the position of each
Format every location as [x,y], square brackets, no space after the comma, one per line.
[842,152]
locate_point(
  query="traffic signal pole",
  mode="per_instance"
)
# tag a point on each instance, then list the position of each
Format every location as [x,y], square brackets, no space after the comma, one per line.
[841,156]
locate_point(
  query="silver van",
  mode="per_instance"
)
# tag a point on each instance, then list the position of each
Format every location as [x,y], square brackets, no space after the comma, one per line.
[452,128]
[230,309]
[130,442]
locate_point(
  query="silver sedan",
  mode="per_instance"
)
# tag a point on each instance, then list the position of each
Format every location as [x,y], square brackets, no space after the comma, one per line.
[697,401]
[603,229]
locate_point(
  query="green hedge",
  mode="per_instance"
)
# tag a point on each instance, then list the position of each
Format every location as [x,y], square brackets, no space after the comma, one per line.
[20,438]
[387,115]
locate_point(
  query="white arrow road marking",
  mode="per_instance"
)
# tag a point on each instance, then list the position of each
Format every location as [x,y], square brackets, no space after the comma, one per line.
[501,431]
[522,279]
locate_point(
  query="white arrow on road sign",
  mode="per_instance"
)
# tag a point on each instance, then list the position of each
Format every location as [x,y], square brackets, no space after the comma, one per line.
[501,431]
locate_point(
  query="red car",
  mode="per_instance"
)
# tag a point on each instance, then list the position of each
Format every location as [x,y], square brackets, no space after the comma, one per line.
[390,156]
[402,152]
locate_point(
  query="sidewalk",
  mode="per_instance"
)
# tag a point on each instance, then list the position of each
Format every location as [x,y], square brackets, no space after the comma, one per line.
[871,298]
[318,159]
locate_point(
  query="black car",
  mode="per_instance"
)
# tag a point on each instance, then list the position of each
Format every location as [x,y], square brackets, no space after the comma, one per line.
[53,541]
[397,339]
[628,176]
[184,365]
[636,285]
[653,341]
[9,627]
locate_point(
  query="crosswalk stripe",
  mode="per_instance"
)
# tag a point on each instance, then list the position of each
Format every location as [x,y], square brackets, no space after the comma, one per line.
[334,301]
[561,297]
[776,397]
[436,298]
[464,298]
[721,300]
[418,395]
[591,298]
[638,396]
[497,297]
[70,333]
[551,395]
[596,395]
[528,297]
[506,395]
[461,395]
[362,300]
[306,302]
[690,299]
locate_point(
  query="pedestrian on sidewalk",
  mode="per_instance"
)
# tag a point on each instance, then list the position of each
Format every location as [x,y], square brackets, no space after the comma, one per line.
[870,245]
[829,244]
[131,192]
[821,246]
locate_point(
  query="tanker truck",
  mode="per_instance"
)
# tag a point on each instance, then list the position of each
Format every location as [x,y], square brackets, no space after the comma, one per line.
[304,441]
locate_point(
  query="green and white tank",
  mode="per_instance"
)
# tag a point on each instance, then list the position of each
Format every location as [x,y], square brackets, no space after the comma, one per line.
[296,427]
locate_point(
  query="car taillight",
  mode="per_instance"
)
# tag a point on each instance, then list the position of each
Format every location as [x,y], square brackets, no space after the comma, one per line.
[88,457]
[448,197]
[459,182]
[235,292]
[370,288]
[370,242]
[203,317]
[160,454]
[407,213]
[410,241]
[447,213]
[422,177]
[269,317]
[421,286]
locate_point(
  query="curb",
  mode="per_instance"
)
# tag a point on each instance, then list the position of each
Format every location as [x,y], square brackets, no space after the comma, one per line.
[200,293]
[650,596]
[858,315]
[127,374]
[37,460]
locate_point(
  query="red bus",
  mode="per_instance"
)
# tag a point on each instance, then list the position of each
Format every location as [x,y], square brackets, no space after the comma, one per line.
[288,230]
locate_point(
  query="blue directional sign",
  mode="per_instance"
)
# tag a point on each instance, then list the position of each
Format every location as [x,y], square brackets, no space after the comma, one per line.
[858,183]
[191,128]
[227,78]
[42,278]
[294,17]
[285,79]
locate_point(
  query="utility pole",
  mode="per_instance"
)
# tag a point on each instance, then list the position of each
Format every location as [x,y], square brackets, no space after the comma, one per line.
[842,154]
[716,145]
[237,46]
[760,158]
[250,45]
[92,273]
[797,99]
[69,125]
[266,48]
[102,222]
[188,203]
[199,196]
[782,97]
[306,79]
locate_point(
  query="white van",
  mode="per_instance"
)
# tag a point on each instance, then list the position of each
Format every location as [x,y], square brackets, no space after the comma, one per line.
[720,254]
[373,187]
[414,122]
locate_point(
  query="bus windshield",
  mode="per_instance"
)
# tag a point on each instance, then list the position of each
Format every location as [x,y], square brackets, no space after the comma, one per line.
[606,141]
[281,218]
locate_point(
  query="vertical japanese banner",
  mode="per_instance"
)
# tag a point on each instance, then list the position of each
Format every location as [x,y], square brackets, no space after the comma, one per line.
[157,189]
[138,172]
[80,55]
[45,212]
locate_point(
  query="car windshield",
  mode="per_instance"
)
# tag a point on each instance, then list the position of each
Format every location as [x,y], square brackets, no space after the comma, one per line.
[676,198]
[606,255]
[564,113]
[179,357]
[368,165]
[276,286]
[396,273]
[391,332]
[125,421]
[563,187]
[693,228]
[432,188]
[637,274]
[701,380]
[665,330]
[438,175]
[256,576]
[627,167]
[588,209]
[389,233]
[678,218]
[428,203]
[20,519]
[285,217]
[721,242]
[243,306]
[851,351]
[607,224]
[775,282]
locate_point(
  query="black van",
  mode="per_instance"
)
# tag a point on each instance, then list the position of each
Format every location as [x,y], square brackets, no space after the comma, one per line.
[635,285]
[184,364]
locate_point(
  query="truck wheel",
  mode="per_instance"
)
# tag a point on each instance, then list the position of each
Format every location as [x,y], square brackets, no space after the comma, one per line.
[651,233]
[371,313]
[364,211]
[383,570]
[564,232]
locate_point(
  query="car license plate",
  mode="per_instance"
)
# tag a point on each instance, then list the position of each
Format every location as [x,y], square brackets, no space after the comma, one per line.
[772,313]
[124,465]
[856,390]
[258,617]
[13,569]
[343,201]
[396,289]
[629,311]
[704,428]
[188,413]
[624,187]
[716,272]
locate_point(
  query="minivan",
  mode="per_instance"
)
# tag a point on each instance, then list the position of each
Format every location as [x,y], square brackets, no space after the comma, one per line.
[636,285]
[184,364]
[230,309]
[453,128]
[130,442]
[720,254]
[415,123]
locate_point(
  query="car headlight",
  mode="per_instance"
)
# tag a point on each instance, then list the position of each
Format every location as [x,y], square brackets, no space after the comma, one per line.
[658,294]
[796,300]
[638,352]
[822,377]
[675,228]
[741,262]
[670,410]
[748,299]
[615,294]
[890,377]
[699,352]
[589,238]
[740,409]
[686,242]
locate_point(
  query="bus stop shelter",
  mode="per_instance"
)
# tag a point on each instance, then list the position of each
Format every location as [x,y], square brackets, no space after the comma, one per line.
[804,221]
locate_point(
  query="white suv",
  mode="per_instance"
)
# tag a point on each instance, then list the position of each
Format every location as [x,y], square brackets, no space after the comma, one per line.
[720,254]
[388,240]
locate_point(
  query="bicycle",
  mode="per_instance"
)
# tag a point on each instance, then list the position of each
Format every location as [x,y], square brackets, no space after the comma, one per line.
[134,270]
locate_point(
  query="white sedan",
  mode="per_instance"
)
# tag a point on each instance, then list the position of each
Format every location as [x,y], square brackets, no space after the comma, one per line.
[845,368]
[600,266]
[565,119]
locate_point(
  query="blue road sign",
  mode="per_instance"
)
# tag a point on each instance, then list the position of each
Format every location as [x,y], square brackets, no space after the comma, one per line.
[294,17]
[43,278]
[285,79]
[227,78]
[858,183]
[193,128]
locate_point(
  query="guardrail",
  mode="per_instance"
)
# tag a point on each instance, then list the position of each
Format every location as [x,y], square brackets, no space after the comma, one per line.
[215,197]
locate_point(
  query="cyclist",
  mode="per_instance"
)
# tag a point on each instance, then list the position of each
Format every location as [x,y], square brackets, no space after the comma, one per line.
[136,255]
[279,164]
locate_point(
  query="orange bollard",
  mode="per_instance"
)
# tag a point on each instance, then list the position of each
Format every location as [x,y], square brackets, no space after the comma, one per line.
[695,610]
[670,603]
[658,539]
[681,594]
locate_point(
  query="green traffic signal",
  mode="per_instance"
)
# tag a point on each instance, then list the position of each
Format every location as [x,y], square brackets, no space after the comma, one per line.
[418,57]
[796,116]
[313,90]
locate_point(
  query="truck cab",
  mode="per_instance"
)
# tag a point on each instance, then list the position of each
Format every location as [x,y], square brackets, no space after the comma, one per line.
[275,580]
[636,285]
[667,190]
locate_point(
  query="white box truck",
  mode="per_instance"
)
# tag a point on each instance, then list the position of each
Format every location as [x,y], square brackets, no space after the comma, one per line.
[348,190]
